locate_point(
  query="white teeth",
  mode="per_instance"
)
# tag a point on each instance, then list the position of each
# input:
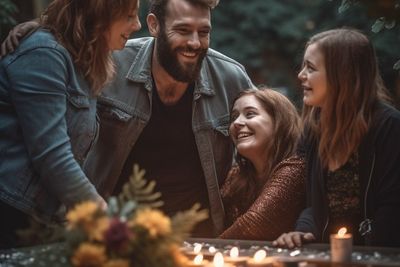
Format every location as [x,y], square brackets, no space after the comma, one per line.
[189,54]
[243,135]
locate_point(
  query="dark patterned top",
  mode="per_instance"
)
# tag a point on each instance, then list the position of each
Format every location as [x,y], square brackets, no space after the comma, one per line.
[344,198]
[343,190]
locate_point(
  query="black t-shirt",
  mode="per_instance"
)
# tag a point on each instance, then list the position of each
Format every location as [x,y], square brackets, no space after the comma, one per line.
[167,150]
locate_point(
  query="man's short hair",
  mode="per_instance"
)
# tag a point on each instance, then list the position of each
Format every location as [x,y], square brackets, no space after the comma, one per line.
[159,7]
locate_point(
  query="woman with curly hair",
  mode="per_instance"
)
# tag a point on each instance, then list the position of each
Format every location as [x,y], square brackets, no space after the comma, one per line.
[48,89]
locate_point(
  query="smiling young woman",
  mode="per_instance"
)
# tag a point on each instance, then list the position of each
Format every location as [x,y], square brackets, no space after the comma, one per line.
[350,142]
[264,191]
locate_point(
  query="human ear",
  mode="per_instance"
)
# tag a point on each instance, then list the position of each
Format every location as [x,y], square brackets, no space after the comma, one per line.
[153,24]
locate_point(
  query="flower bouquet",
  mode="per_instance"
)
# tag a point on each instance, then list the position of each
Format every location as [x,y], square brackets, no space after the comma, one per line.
[131,231]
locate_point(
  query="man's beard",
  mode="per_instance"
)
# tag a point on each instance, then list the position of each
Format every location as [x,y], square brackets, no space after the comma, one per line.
[168,59]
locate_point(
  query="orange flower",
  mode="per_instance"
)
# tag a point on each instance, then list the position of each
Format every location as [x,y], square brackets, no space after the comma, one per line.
[100,226]
[89,255]
[154,221]
[82,214]
[117,263]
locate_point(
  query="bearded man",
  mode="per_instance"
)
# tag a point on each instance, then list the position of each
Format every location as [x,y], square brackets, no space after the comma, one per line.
[168,111]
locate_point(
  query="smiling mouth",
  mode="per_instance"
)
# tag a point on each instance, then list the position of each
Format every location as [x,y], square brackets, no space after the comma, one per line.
[243,135]
[189,54]
[125,37]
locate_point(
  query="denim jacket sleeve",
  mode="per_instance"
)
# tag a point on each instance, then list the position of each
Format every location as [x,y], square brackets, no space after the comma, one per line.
[38,80]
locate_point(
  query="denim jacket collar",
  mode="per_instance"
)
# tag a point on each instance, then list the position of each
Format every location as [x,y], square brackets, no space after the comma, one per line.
[140,71]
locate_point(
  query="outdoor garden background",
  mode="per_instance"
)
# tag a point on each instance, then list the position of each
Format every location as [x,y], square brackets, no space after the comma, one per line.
[268,36]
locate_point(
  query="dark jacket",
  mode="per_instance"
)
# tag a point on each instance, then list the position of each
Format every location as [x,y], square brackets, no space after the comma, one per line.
[379,172]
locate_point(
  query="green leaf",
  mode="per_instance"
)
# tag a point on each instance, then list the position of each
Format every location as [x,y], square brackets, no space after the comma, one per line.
[140,191]
[378,25]
[113,207]
[128,208]
[346,4]
[397,65]
[390,24]
[183,222]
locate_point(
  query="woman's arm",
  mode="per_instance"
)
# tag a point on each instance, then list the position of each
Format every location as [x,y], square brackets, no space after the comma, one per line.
[276,208]
[38,81]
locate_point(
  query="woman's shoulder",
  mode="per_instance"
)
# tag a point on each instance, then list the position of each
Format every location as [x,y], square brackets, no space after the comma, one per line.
[296,161]
[41,38]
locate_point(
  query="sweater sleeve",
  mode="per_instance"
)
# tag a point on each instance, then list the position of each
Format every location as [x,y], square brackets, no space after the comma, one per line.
[276,208]
[384,196]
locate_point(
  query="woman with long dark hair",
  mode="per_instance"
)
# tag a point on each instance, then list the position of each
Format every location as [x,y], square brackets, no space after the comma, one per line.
[351,144]
[264,191]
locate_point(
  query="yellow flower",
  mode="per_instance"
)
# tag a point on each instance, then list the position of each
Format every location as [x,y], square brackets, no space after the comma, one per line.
[179,258]
[82,214]
[89,255]
[99,226]
[117,263]
[154,221]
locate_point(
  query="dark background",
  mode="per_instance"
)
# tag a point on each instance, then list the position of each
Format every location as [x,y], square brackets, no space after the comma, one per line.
[268,36]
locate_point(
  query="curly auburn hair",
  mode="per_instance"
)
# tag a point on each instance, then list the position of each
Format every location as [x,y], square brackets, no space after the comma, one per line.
[79,25]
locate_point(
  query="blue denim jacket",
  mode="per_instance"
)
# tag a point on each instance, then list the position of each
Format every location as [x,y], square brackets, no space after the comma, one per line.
[124,109]
[48,124]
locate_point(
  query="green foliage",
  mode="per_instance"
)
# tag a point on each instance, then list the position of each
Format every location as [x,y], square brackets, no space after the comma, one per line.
[138,192]
[385,12]
[7,9]
[183,222]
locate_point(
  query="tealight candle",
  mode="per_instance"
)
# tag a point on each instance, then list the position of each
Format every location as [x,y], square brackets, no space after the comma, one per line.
[209,254]
[197,261]
[341,246]
[218,261]
[235,259]
[260,260]
[196,250]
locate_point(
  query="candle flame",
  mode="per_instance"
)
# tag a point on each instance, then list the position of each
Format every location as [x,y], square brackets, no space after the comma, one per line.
[212,249]
[218,260]
[234,253]
[259,255]
[197,248]
[198,259]
[342,231]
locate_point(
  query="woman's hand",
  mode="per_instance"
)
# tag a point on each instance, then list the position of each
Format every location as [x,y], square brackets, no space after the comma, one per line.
[293,239]
[17,33]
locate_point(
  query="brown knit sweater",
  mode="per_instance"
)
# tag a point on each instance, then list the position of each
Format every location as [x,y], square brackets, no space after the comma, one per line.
[275,210]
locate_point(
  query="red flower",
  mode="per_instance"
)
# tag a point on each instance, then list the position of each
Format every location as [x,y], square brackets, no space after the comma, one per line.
[117,236]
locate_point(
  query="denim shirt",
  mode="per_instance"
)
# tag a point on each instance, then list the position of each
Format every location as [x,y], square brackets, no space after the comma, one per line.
[124,109]
[48,124]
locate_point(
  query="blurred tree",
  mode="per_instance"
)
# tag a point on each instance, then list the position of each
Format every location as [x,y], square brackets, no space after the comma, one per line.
[7,10]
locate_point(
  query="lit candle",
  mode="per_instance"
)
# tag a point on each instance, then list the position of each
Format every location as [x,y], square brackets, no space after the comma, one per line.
[197,261]
[209,254]
[341,246]
[235,259]
[260,260]
[191,254]
[218,261]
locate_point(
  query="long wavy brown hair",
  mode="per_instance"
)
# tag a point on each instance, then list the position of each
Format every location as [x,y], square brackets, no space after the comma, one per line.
[283,142]
[80,26]
[354,88]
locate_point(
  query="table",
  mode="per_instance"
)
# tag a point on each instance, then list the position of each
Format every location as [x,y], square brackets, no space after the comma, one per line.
[316,255]
[313,254]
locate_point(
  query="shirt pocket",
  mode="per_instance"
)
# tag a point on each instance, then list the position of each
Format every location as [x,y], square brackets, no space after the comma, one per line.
[81,124]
